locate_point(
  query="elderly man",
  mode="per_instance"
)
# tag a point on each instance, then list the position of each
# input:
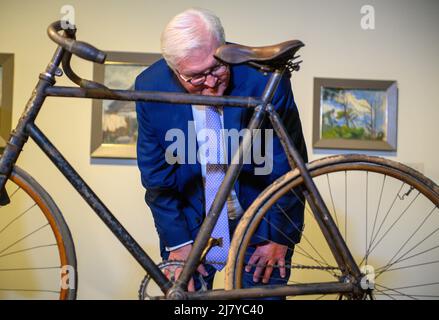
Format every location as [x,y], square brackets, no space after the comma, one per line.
[179,194]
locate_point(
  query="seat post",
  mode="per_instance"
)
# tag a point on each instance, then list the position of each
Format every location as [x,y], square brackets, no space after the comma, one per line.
[271,86]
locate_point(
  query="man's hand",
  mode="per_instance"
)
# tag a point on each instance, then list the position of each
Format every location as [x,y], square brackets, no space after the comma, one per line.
[182,254]
[270,253]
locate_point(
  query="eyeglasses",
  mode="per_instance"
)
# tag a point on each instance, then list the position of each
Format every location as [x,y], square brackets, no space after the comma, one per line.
[199,79]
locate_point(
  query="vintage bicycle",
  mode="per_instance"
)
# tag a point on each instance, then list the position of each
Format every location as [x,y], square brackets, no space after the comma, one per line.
[387,247]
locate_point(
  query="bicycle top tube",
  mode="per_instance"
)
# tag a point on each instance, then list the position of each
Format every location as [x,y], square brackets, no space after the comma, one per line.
[171,97]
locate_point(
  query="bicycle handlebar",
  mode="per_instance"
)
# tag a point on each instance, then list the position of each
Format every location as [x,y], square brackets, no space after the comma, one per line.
[79,48]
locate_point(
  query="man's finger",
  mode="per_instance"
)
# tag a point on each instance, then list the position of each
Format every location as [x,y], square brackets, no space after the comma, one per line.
[202,270]
[191,286]
[282,270]
[268,271]
[259,269]
[253,259]
[177,273]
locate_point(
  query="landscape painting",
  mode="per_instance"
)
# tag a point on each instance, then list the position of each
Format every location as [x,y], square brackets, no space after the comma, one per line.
[355,114]
[114,122]
[119,124]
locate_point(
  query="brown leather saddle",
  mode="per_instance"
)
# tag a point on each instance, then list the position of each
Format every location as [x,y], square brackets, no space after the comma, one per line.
[269,56]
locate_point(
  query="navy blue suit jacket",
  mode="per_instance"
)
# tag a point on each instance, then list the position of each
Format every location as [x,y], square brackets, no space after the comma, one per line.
[175,192]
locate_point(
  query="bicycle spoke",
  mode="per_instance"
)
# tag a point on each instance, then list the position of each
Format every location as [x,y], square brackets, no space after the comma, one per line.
[13,193]
[378,292]
[393,224]
[415,295]
[30,290]
[407,252]
[18,217]
[303,235]
[32,250]
[306,254]
[28,249]
[395,290]
[332,201]
[413,266]
[30,269]
[410,287]
[377,212]
[26,236]
[297,229]
[387,214]
[418,254]
[389,263]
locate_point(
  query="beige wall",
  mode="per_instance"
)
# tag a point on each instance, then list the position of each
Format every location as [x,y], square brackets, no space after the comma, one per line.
[403,47]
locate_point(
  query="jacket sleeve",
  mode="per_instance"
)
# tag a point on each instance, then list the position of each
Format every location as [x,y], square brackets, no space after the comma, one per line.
[160,181]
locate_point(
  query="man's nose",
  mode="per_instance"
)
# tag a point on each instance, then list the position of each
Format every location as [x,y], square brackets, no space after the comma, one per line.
[211,81]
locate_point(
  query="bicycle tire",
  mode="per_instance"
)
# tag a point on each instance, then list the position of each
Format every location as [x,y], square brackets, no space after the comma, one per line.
[319,168]
[65,273]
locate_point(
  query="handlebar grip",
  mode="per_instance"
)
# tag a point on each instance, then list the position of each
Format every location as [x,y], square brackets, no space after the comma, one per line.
[88,52]
[79,48]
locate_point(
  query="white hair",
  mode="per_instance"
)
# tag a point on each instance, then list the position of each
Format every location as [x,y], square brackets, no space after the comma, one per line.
[187,31]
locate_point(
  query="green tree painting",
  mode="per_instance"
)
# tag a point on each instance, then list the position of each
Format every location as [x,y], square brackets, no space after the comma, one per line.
[353,114]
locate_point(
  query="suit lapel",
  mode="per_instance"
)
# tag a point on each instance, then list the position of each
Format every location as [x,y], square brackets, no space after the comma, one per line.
[181,117]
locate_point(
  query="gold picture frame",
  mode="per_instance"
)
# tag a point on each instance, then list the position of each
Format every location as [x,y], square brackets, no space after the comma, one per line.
[114,124]
[355,114]
[6,90]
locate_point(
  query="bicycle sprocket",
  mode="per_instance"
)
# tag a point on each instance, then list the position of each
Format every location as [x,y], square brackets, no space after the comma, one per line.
[173,264]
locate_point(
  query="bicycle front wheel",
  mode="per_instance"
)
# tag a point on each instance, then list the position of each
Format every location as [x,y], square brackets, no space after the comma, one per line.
[387,213]
[37,255]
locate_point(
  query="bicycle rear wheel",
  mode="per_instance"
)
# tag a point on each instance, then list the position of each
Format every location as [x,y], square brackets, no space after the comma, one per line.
[387,213]
[37,255]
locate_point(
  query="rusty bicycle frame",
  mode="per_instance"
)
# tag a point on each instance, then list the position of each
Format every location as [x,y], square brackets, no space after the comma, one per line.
[67,45]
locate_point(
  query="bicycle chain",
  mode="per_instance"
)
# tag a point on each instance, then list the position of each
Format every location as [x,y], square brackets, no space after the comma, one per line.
[290,266]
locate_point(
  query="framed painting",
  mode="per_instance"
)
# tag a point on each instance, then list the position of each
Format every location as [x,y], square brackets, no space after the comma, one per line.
[355,114]
[6,87]
[114,124]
